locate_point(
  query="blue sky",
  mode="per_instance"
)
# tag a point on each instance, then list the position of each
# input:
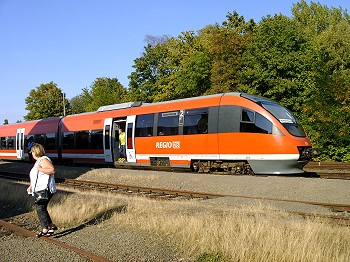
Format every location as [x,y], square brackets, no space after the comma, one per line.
[73,42]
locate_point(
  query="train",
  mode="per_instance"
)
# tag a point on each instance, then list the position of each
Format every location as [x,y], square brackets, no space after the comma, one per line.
[231,133]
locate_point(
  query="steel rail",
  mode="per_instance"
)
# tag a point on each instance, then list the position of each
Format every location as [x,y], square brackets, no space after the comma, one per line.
[28,233]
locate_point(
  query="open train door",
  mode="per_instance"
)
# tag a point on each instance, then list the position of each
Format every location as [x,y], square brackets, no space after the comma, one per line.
[130,139]
[20,143]
[107,139]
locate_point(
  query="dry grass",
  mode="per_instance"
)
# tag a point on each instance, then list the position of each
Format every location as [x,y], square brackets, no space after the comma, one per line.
[104,174]
[14,199]
[240,233]
[246,233]
[76,209]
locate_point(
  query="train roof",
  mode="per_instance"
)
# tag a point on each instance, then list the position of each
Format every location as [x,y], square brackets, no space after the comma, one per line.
[139,103]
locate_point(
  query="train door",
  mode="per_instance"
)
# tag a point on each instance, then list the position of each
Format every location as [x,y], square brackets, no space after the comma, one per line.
[130,139]
[107,140]
[117,125]
[20,143]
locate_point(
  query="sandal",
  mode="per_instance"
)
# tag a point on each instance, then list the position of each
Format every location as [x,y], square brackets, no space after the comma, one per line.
[50,232]
[41,234]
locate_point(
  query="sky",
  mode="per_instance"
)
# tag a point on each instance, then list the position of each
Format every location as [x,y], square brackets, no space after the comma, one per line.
[73,42]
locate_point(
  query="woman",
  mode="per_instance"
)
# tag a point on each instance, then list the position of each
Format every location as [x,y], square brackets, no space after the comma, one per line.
[41,178]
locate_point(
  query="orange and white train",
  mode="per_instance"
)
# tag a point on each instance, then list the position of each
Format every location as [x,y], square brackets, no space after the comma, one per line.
[233,133]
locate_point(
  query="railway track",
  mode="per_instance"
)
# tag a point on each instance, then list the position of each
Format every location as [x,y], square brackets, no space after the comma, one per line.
[167,193]
[20,229]
[334,165]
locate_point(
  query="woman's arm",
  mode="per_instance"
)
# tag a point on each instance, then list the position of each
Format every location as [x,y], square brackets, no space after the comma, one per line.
[46,167]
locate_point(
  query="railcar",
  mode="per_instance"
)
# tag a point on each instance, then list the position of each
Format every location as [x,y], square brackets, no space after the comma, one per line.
[234,133]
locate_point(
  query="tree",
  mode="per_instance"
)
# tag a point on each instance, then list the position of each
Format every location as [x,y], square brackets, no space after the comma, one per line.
[328,107]
[6,122]
[185,70]
[79,102]
[45,102]
[226,45]
[104,91]
[148,70]
[279,63]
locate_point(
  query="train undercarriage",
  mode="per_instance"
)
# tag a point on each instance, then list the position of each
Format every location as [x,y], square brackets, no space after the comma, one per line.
[221,167]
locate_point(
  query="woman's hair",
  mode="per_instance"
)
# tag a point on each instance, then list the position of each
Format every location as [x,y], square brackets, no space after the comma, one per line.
[38,150]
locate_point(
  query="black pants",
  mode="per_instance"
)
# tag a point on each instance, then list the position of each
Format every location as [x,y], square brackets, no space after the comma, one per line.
[43,214]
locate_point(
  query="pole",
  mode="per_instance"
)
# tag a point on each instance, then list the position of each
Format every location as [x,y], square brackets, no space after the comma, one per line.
[64,106]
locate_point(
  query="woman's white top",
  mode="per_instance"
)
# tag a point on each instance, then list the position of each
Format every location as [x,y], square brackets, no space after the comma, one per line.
[44,180]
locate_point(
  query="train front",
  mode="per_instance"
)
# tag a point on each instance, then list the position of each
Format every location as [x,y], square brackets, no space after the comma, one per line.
[293,139]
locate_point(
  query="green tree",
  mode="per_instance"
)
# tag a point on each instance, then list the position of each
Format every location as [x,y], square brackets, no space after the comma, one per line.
[80,102]
[104,91]
[279,63]
[45,102]
[226,45]
[185,71]
[328,107]
[148,70]
[6,122]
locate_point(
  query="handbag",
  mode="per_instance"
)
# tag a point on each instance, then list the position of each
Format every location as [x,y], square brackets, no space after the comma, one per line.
[41,196]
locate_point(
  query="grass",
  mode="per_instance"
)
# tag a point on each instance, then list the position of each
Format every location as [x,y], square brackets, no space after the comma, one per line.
[206,231]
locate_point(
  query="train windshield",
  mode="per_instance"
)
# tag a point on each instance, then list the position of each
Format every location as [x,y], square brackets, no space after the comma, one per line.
[285,117]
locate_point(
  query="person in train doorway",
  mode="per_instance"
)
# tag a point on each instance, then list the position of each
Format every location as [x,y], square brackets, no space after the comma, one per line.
[42,179]
[30,145]
[122,143]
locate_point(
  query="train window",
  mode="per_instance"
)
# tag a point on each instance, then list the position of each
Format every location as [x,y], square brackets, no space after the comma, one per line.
[68,140]
[129,143]
[144,125]
[96,139]
[39,139]
[50,141]
[2,142]
[107,134]
[82,139]
[168,123]
[10,142]
[263,124]
[28,139]
[247,116]
[253,122]
[286,118]
[196,121]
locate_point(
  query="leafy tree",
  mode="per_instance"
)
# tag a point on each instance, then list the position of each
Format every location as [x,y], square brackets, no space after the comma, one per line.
[327,108]
[6,122]
[80,102]
[279,63]
[148,71]
[104,91]
[185,71]
[226,45]
[45,102]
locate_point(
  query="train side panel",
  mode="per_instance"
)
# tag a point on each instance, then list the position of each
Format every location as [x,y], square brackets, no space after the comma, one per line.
[14,138]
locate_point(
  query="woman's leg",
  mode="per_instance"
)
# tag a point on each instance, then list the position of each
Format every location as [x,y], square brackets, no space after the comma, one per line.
[43,214]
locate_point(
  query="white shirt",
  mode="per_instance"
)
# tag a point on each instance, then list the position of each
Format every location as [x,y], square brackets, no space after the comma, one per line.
[39,180]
